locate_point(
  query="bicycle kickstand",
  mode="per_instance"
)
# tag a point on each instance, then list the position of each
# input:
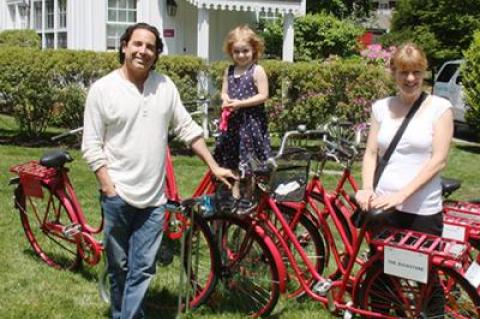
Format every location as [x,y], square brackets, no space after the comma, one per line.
[184,281]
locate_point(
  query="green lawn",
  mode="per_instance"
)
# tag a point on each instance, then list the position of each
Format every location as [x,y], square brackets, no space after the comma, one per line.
[30,289]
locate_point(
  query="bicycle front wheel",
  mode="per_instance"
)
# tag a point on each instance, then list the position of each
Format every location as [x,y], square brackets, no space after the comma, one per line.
[201,262]
[399,297]
[44,221]
[250,278]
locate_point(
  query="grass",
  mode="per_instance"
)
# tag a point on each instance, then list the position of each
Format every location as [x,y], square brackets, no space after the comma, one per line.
[30,289]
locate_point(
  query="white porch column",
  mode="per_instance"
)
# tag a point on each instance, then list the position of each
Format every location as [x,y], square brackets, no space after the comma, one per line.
[55,23]
[30,24]
[203,30]
[44,20]
[203,43]
[288,37]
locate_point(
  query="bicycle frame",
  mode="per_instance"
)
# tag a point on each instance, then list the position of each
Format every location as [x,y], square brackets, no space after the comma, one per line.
[263,219]
[336,204]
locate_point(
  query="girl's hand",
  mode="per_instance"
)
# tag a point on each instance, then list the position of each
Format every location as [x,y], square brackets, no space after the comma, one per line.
[388,201]
[364,198]
[233,105]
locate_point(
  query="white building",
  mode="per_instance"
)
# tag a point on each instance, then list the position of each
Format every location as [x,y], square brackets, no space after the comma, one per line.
[195,27]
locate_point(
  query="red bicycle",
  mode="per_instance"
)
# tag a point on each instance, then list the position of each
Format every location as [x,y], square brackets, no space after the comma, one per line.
[357,283]
[58,232]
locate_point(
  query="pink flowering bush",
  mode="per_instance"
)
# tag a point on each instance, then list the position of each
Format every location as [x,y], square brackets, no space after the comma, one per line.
[376,53]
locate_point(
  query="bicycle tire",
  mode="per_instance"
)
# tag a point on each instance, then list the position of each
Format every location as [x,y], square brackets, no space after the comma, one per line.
[249,276]
[204,274]
[394,296]
[53,247]
[312,242]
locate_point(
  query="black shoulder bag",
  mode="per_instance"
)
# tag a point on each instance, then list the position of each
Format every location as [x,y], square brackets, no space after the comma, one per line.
[382,162]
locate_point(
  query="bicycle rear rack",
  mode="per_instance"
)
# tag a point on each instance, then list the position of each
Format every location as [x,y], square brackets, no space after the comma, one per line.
[463,212]
[33,169]
[435,246]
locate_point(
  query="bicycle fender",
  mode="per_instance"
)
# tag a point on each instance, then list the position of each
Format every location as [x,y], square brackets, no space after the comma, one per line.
[277,258]
[361,272]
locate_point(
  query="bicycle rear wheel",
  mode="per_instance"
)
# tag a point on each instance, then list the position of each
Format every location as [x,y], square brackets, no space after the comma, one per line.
[43,220]
[399,297]
[250,278]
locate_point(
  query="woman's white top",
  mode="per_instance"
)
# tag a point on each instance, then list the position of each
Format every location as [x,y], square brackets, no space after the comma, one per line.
[412,152]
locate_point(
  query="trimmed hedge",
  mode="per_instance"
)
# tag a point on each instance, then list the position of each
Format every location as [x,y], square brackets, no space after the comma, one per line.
[42,88]
[20,38]
[471,75]
[311,93]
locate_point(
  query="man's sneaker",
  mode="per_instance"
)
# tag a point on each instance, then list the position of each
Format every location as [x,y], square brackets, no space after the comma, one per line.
[245,206]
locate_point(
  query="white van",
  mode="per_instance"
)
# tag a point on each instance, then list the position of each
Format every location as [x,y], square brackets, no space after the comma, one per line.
[448,84]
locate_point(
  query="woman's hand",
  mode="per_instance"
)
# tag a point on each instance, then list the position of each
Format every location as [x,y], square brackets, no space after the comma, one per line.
[388,201]
[364,197]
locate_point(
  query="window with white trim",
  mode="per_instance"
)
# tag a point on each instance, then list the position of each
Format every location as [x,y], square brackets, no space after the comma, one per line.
[62,14]
[53,25]
[37,15]
[50,14]
[121,14]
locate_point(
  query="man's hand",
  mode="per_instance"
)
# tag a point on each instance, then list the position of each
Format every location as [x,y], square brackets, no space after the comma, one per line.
[108,191]
[224,175]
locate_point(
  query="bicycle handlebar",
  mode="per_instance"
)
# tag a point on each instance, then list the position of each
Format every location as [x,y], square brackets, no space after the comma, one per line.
[68,133]
[196,102]
[301,131]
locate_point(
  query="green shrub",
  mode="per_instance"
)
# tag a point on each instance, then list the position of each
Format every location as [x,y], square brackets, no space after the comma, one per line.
[49,87]
[317,36]
[471,83]
[20,38]
[311,93]
[183,70]
[28,85]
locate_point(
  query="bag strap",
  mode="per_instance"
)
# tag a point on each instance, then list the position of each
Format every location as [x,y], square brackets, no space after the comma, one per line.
[398,135]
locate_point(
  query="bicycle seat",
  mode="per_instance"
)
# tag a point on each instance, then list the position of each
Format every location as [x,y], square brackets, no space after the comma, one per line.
[449,185]
[55,158]
[371,218]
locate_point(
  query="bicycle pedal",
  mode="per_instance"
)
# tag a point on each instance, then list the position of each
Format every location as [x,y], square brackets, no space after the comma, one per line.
[72,230]
[322,287]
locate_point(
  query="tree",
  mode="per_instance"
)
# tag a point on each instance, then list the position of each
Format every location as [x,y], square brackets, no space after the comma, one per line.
[471,74]
[444,28]
[340,8]
[317,36]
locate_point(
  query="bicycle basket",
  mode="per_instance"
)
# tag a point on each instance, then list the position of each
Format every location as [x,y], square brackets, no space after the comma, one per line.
[33,170]
[291,176]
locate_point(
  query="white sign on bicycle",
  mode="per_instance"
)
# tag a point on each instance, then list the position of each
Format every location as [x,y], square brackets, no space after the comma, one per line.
[473,274]
[454,232]
[406,264]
